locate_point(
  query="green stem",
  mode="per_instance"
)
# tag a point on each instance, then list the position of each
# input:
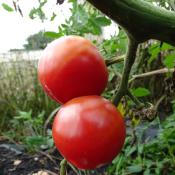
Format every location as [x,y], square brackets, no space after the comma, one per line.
[63,165]
[142,20]
[135,100]
[129,61]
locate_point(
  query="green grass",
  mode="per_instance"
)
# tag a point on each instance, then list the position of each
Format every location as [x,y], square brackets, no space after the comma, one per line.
[154,156]
[20,91]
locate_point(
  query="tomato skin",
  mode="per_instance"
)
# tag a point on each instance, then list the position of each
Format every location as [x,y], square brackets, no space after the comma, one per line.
[89,131]
[71,66]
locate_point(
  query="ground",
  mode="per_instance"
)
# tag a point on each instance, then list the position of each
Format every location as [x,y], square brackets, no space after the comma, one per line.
[14,160]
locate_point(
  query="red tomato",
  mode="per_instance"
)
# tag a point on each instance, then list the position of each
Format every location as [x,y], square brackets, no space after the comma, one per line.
[89,131]
[70,67]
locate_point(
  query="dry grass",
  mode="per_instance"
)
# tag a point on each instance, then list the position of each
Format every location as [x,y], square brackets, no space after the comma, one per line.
[20,91]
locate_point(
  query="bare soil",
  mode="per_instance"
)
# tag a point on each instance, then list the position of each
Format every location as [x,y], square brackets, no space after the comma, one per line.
[15,161]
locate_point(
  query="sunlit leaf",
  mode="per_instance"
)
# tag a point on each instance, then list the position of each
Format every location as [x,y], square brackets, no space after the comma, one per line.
[169,61]
[140,92]
[52,34]
[7,7]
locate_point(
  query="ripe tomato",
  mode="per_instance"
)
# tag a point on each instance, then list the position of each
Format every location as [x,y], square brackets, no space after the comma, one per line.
[89,131]
[71,67]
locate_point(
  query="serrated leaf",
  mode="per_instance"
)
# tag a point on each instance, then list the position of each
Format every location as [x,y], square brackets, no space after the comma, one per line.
[140,92]
[169,61]
[95,29]
[102,21]
[80,17]
[7,7]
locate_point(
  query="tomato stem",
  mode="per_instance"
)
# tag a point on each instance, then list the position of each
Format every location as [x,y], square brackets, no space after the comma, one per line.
[114,60]
[140,19]
[63,165]
[129,61]
[135,100]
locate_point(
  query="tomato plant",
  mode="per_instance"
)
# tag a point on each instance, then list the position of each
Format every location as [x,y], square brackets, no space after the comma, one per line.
[71,66]
[89,131]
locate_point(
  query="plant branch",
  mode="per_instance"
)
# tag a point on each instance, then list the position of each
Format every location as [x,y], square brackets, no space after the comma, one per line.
[135,100]
[49,119]
[140,19]
[159,102]
[73,168]
[155,72]
[129,61]
[115,60]
[63,165]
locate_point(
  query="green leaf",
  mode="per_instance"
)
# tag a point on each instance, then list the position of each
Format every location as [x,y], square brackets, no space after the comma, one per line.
[35,140]
[24,115]
[169,61]
[130,151]
[52,34]
[95,29]
[37,12]
[140,92]
[7,7]
[154,53]
[146,172]
[32,13]
[50,143]
[102,21]
[79,16]
[134,169]
[166,46]
[53,16]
